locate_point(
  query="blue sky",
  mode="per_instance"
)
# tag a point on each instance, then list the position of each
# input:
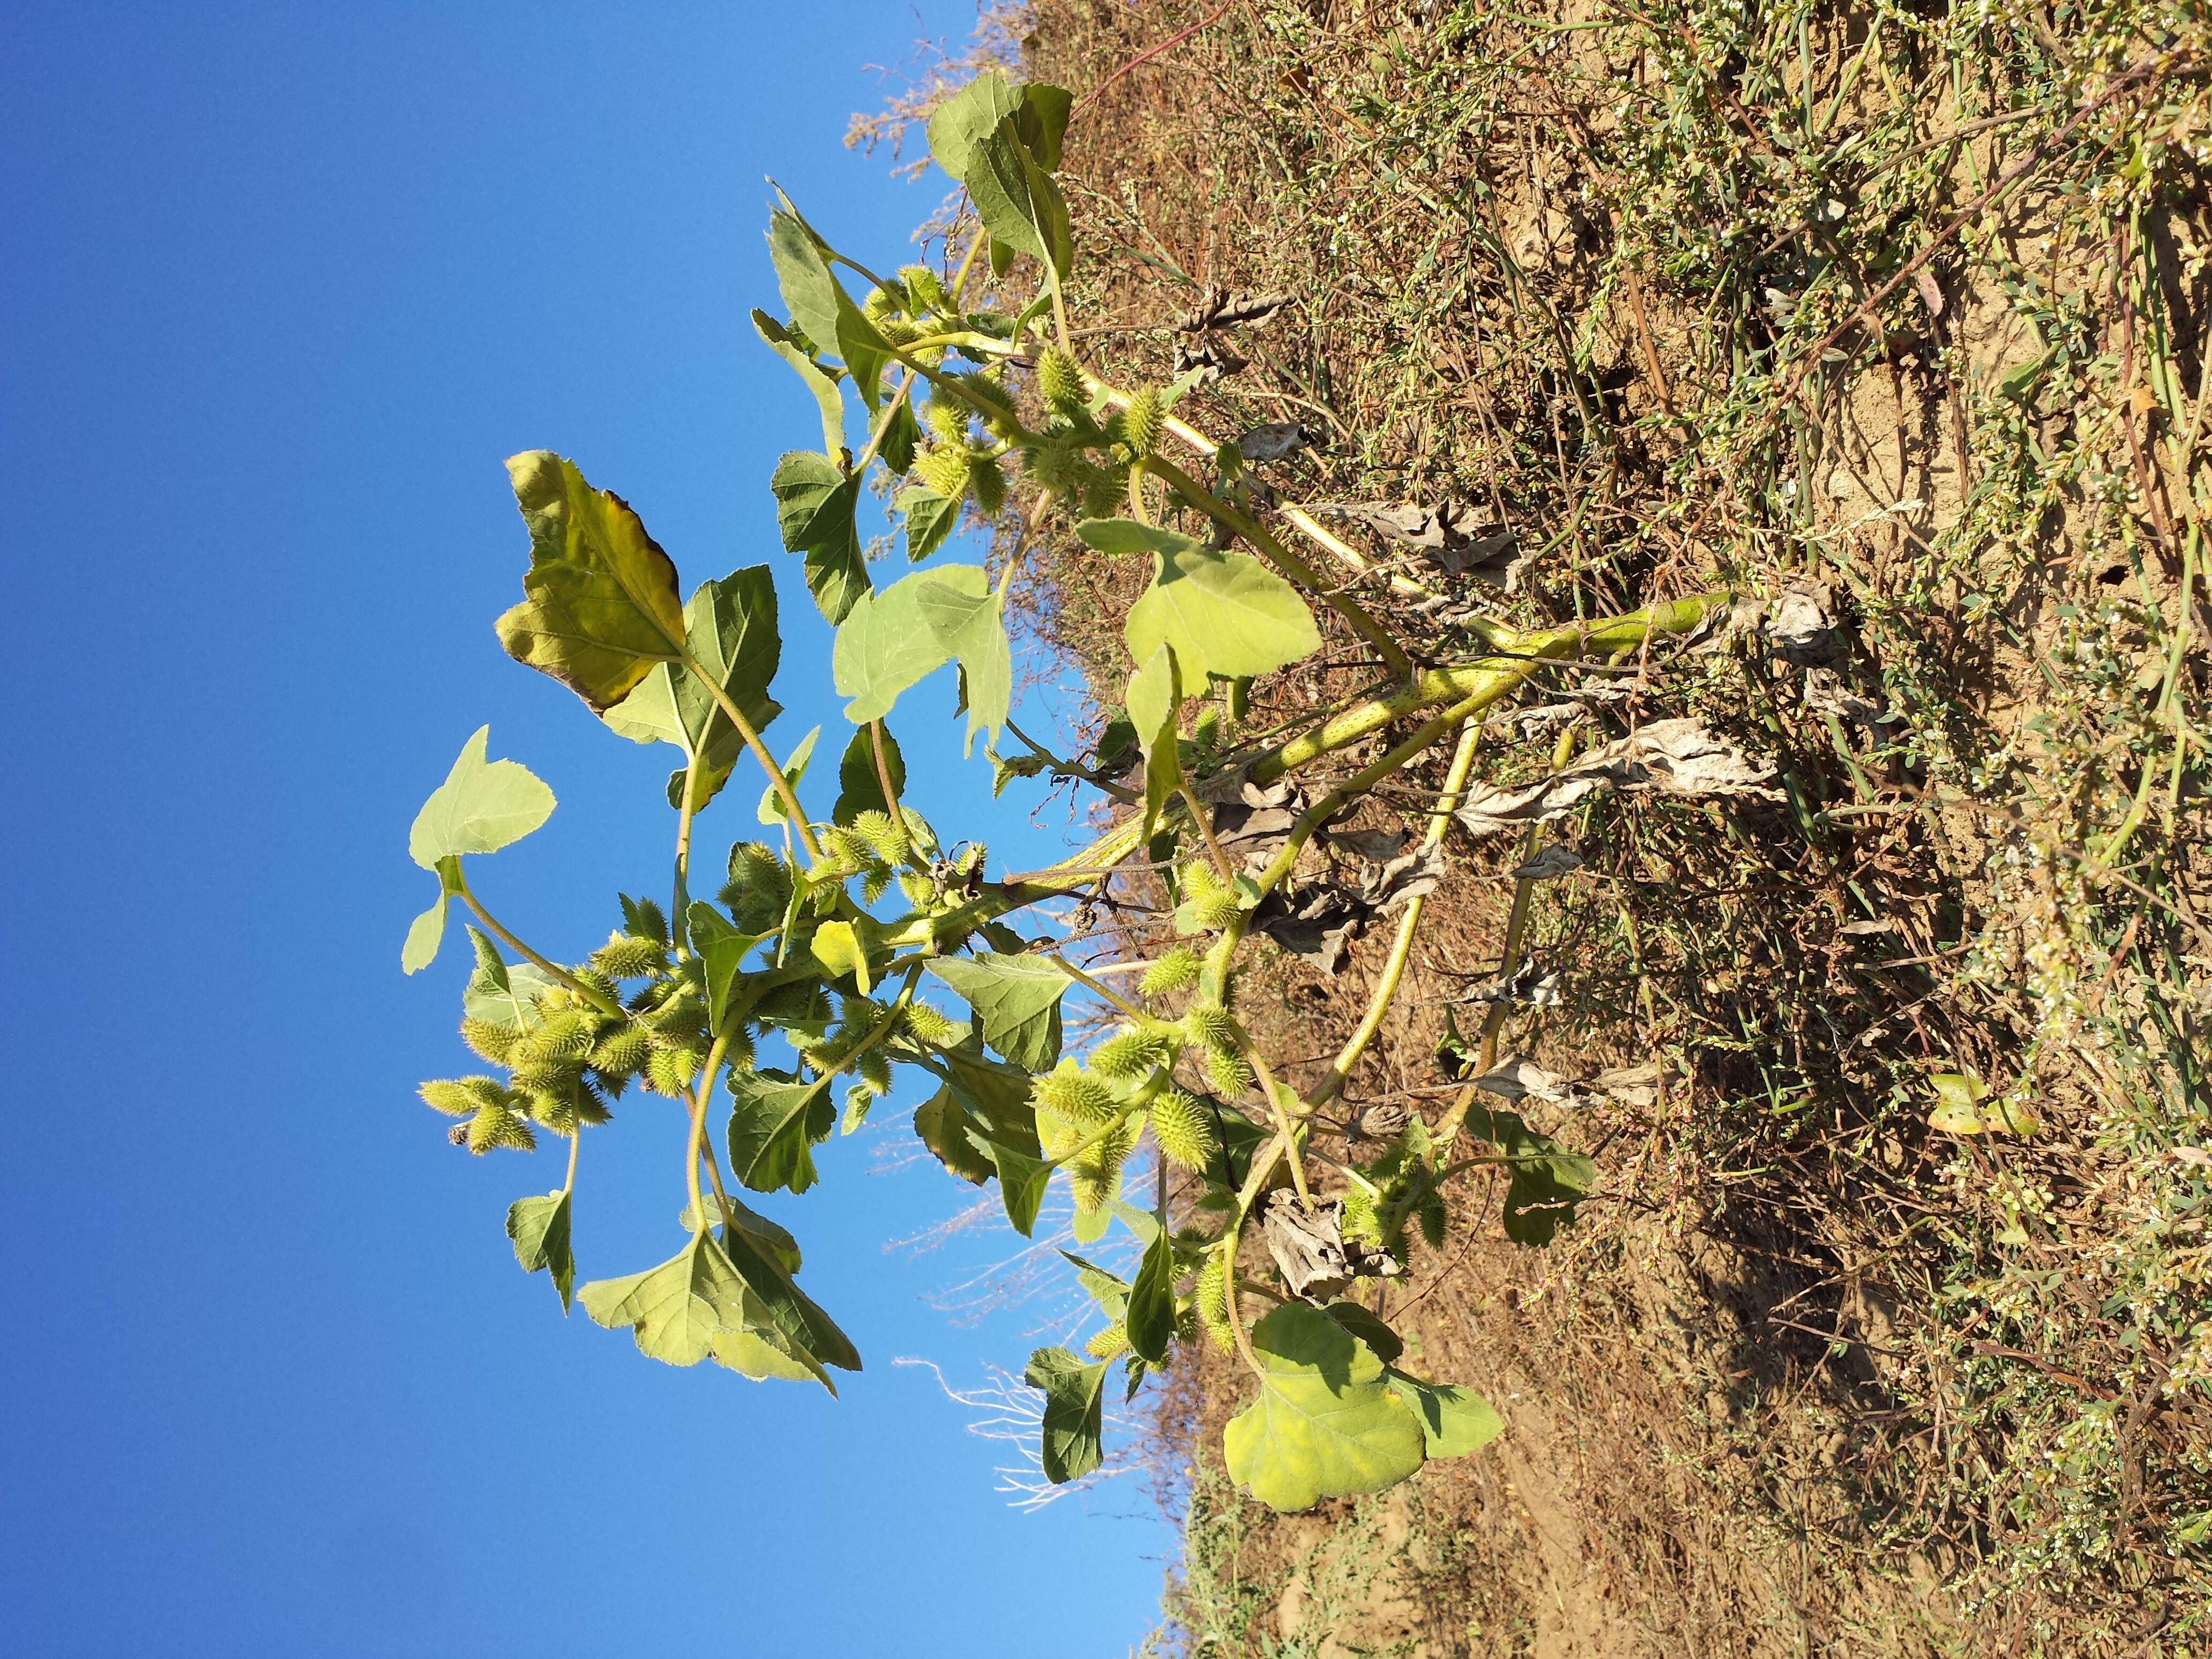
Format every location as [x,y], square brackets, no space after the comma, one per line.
[282,285]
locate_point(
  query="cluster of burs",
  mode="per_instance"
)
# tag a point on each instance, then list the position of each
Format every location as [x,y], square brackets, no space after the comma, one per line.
[569,1051]
[1080,455]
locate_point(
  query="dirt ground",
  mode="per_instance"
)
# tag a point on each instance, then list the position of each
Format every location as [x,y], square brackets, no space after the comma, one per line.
[1901,306]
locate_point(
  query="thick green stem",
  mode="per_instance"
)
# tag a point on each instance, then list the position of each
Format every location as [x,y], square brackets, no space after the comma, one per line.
[493,926]
[780,784]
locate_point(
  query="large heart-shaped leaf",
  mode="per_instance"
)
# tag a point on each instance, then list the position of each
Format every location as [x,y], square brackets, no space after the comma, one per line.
[1074,1412]
[1326,1424]
[815,501]
[729,627]
[1017,1000]
[775,1122]
[1225,614]
[602,606]
[677,1309]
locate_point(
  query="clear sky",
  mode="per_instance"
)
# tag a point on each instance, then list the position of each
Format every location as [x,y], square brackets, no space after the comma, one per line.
[279,288]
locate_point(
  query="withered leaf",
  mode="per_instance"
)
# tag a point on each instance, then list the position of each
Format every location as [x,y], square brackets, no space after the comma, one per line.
[1310,1249]
[1276,440]
[1672,757]
[1220,309]
[1206,361]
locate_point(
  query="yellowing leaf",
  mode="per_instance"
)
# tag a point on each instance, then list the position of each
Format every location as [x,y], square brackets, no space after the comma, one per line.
[602,606]
[1963,1107]
[1325,1425]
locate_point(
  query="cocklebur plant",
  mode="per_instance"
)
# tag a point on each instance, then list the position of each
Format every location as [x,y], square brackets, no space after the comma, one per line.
[838,955]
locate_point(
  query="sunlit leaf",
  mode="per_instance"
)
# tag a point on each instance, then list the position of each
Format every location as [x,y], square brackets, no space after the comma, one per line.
[482,806]
[815,504]
[602,606]
[1455,1420]
[930,518]
[539,1228]
[775,1122]
[1021,1181]
[793,768]
[1325,1424]
[902,634]
[1225,614]
[821,381]
[729,627]
[976,136]
[676,1309]
[1155,695]
[1015,999]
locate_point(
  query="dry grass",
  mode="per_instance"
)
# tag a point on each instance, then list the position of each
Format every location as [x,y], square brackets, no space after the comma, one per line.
[1906,301]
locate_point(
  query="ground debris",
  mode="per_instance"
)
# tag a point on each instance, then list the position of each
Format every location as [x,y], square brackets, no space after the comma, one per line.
[1671,757]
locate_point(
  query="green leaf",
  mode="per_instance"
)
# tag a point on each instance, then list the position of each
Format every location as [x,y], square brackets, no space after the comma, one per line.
[1109,1293]
[601,605]
[424,934]
[976,136]
[775,1122]
[729,627]
[896,636]
[722,950]
[884,646]
[821,381]
[1118,536]
[1225,614]
[1021,1181]
[964,614]
[930,518]
[1455,1420]
[819,305]
[859,789]
[1369,1329]
[945,1126]
[482,806]
[815,504]
[1324,1426]
[1042,121]
[1547,1180]
[539,1228]
[1074,1412]
[1015,999]
[794,769]
[1155,695]
[804,1329]
[676,1309]
[1151,1314]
